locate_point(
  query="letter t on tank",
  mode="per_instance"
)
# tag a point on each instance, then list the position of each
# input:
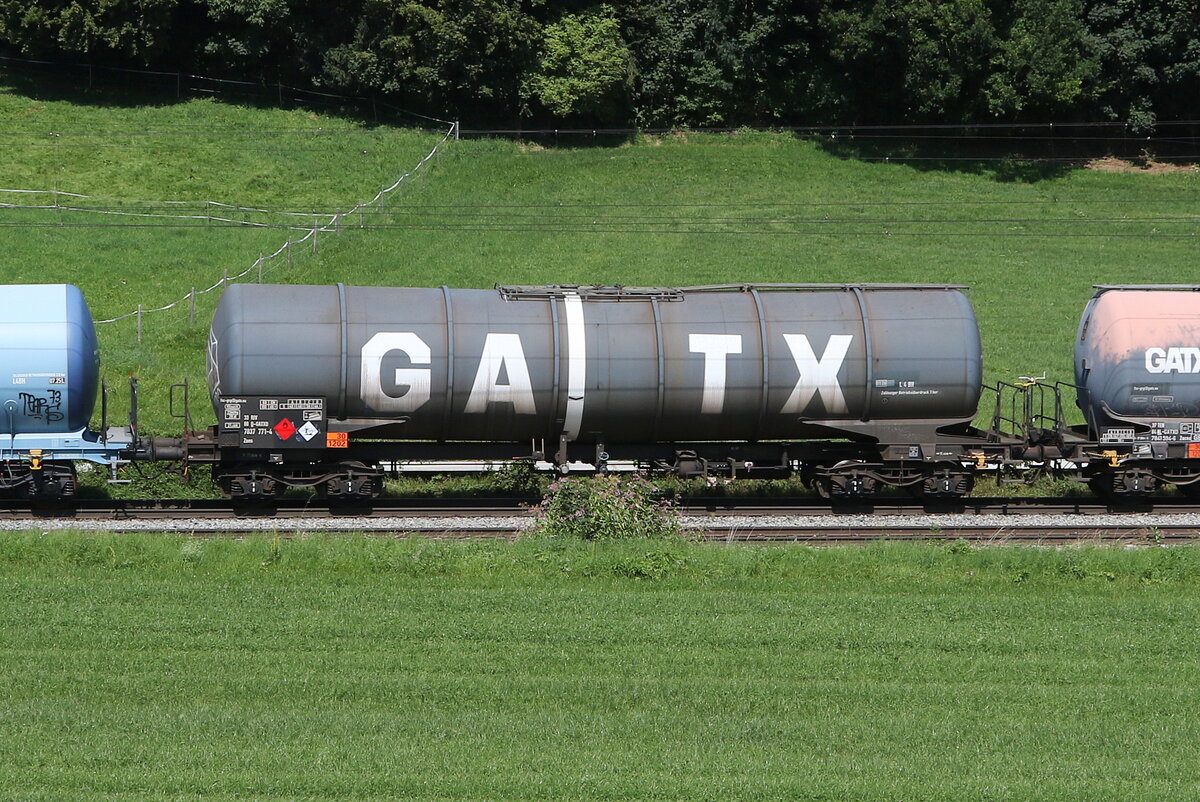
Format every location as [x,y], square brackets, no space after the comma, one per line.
[716,349]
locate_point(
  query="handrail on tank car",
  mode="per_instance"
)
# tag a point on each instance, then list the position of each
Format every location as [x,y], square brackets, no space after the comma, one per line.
[1180,287]
[186,415]
[521,292]
[1013,426]
[1041,424]
[748,287]
[1027,416]
[600,292]
[1035,412]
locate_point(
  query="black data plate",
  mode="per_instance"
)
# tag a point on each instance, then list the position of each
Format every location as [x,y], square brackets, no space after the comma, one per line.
[272,421]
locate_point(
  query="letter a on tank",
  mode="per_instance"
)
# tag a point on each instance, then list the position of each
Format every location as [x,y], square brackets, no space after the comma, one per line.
[502,351]
[817,376]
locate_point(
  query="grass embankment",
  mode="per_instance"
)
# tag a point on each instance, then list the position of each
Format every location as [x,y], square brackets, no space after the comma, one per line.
[334,668]
[132,160]
[674,210]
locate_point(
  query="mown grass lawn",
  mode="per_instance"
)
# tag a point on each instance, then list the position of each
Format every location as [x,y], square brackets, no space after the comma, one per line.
[348,668]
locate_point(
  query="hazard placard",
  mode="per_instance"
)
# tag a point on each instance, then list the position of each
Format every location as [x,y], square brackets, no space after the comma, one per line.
[271,422]
[337,440]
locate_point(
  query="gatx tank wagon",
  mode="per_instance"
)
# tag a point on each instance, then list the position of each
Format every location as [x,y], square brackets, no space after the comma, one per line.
[855,387]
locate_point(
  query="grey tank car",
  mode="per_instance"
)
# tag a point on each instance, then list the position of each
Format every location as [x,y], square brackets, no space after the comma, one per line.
[616,366]
[689,379]
[1137,373]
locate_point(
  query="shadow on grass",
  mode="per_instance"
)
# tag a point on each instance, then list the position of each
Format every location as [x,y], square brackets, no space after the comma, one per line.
[1033,163]
[112,88]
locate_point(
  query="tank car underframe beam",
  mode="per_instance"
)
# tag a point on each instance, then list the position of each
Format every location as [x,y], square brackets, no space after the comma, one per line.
[836,468]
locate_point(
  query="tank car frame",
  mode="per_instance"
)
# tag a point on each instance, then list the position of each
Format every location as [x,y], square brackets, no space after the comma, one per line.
[858,387]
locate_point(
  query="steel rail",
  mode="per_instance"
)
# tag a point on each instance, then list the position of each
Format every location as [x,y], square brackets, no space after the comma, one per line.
[1045,536]
[715,506]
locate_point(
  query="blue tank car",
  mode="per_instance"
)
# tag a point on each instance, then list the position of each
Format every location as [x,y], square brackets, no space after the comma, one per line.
[49,374]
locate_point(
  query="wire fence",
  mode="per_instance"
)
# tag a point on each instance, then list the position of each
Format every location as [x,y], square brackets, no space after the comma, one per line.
[184,85]
[190,212]
[332,224]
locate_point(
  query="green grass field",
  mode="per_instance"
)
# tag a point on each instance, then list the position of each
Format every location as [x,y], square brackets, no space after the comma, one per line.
[160,667]
[165,668]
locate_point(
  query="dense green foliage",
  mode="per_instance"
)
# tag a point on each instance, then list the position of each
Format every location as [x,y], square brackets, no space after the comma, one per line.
[605,507]
[665,62]
[160,667]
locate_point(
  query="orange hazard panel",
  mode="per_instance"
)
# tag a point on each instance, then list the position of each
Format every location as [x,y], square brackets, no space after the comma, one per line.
[342,440]
[1193,450]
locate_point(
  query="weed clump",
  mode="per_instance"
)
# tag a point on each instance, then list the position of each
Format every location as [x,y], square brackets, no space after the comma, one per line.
[605,507]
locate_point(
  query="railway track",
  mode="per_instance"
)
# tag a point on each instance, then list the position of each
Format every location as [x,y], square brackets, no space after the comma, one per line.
[716,507]
[1044,521]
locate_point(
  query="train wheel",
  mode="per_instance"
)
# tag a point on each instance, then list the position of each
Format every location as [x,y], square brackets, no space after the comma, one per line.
[351,481]
[1123,484]
[848,480]
[51,481]
[946,480]
[248,483]
[56,481]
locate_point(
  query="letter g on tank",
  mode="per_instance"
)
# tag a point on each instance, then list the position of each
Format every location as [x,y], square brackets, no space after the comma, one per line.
[417,379]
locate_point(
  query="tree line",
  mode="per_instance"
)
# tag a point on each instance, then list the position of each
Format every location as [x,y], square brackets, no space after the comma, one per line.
[665,63]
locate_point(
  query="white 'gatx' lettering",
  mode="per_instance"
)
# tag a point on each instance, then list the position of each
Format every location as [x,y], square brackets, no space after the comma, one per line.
[715,347]
[502,351]
[1176,359]
[371,379]
[817,376]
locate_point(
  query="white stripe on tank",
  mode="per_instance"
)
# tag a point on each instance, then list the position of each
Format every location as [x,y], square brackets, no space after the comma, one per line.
[576,365]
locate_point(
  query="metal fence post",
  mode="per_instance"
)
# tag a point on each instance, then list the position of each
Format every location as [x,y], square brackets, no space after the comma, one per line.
[139,322]
[260,261]
[192,306]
